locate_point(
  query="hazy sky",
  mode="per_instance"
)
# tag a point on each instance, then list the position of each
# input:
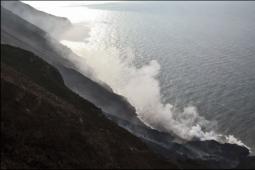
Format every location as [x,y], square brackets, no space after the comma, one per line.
[49,4]
[73,10]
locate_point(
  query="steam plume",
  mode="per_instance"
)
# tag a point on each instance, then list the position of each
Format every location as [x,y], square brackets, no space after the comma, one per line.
[141,88]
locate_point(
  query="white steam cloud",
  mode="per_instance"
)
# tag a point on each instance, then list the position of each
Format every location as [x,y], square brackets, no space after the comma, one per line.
[142,90]
[138,85]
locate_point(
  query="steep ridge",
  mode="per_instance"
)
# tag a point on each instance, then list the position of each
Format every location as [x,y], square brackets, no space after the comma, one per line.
[41,129]
[57,27]
[18,32]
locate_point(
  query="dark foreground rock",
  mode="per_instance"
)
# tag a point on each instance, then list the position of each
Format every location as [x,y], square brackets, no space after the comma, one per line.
[247,163]
[40,129]
[46,125]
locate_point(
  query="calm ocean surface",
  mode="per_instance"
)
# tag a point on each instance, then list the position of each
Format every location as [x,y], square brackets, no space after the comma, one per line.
[206,51]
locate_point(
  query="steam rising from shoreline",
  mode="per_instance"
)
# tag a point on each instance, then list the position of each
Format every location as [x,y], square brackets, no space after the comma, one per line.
[142,90]
[138,85]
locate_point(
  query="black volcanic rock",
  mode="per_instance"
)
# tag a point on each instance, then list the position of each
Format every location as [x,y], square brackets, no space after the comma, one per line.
[42,129]
[203,154]
[231,151]
[21,33]
[219,155]
[18,32]
[247,163]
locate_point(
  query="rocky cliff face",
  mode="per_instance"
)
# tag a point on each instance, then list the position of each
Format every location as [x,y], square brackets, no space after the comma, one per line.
[42,129]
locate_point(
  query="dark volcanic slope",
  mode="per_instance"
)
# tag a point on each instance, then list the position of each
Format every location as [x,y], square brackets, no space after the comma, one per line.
[21,33]
[42,129]
[49,23]
[18,32]
[57,27]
